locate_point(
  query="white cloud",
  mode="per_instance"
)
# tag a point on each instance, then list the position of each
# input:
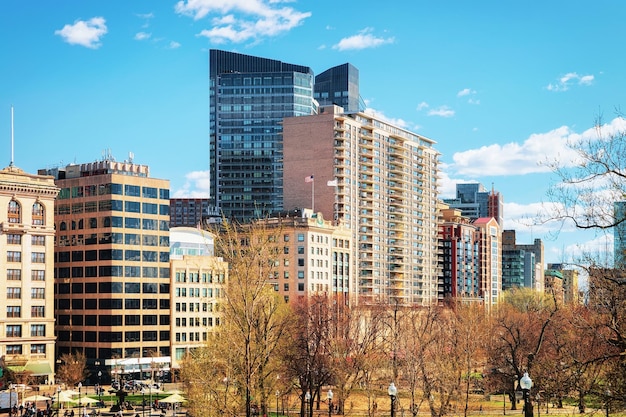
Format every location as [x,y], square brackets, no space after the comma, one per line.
[530,156]
[140,36]
[565,82]
[363,40]
[465,92]
[423,105]
[442,111]
[396,122]
[84,32]
[242,20]
[196,185]
[173,45]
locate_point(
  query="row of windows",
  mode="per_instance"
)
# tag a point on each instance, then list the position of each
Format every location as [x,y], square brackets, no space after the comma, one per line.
[112,271]
[117,189]
[16,239]
[195,292]
[113,205]
[192,336]
[113,255]
[113,238]
[114,320]
[16,311]
[35,275]
[15,330]
[35,257]
[195,321]
[35,349]
[14,213]
[207,277]
[15,293]
[114,337]
[112,288]
[109,304]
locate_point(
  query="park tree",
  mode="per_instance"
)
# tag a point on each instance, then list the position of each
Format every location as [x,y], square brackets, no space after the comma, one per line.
[518,329]
[72,368]
[253,320]
[306,359]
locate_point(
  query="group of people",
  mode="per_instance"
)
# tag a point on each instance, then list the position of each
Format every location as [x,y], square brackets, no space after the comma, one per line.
[30,410]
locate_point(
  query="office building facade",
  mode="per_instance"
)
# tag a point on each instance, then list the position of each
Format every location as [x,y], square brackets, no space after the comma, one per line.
[475,201]
[27,338]
[379,181]
[188,212]
[112,271]
[339,86]
[248,99]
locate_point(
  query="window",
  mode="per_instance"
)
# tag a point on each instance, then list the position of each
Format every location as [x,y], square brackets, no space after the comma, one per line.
[14,274]
[14,293]
[14,311]
[38,240]
[300,237]
[38,214]
[38,257]
[36,349]
[14,212]
[14,330]
[37,311]
[38,330]
[38,293]
[14,349]
[13,256]
[13,239]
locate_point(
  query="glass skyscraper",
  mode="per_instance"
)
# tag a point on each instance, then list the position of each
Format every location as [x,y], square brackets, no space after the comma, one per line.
[340,86]
[248,99]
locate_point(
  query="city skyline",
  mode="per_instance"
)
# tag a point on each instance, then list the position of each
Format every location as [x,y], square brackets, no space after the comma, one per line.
[498,87]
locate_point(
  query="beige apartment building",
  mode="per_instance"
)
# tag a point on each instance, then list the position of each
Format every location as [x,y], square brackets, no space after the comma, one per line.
[316,257]
[490,253]
[198,280]
[112,271]
[380,182]
[26,259]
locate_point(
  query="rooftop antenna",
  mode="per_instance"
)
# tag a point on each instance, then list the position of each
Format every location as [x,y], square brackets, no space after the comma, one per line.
[12,137]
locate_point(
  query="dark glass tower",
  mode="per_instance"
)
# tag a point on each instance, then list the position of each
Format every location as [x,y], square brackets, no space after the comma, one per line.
[339,85]
[248,99]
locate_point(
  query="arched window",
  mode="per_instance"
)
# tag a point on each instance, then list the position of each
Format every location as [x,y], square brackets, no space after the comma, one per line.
[15,212]
[62,226]
[38,214]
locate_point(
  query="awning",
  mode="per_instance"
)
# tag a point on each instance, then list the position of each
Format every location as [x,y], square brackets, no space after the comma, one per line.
[39,368]
[16,368]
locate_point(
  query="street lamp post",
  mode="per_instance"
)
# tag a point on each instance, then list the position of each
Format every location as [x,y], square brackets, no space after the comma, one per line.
[80,385]
[100,386]
[58,399]
[307,399]
[392,391]
[330,402]
[608,397]
[277,395]
[13,388]
[526,384]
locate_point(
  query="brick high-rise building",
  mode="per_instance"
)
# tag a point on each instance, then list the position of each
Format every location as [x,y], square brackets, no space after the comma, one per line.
[379,181]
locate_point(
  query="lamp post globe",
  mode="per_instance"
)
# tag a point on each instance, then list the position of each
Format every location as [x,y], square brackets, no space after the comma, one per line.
[526,384]
[393,392]
[307,400]
[80,386]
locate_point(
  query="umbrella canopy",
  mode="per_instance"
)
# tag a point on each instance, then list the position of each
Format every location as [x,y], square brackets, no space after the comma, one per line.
[84,400]
[70,392]
[63,398]
[34,398]
[174,398]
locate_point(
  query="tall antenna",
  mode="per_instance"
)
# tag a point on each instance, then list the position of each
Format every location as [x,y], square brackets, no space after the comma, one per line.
[12,137]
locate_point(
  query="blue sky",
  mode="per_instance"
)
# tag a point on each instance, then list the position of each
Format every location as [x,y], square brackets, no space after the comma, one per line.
[499,85]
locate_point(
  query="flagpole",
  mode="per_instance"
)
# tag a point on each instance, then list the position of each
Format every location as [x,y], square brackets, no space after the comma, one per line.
[313,195]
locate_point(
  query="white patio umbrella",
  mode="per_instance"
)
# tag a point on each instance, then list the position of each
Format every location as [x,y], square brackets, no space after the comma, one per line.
[85,400]
[174,398]
[35,398]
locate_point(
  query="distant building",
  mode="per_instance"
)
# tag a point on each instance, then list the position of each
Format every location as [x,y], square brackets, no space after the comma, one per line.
[197,286]
[554,282]
[248,99]
[475,201]
[188,212]
[316,257]
[522,264]
[619,234]
[567,288]
[490,252]
[379,181]
[339,86]
[27,338]
[460,260]
[112,269]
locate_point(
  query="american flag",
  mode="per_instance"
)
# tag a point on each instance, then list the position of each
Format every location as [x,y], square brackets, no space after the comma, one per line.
[309,178]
